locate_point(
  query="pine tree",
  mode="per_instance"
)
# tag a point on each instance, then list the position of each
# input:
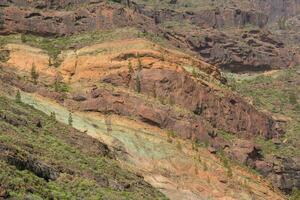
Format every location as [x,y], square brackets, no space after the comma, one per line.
[34,74]
[130,69]
[23,38]
[56,86]
[140,66]
[138,84]
[70,120]
[18,97]
[292,98]
[49,61]
[194,73]
[53,116]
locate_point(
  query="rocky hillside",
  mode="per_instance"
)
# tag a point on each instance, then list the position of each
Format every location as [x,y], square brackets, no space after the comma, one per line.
[148,136]
[207,26]
[43,159]
[190,76]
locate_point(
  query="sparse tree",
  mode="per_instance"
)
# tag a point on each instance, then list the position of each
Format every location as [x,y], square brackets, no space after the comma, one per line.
[154,90]
[56,86]
[205,168]
[140,66]
[57,83]
[282,25]
[178,146]
[130,69]
[292,98]
[53,116]
[108,123]
[70,120]
[229,171]
[138,83]
[18,97]
[163,56]
[23,38]
[194,73]
[49,61]
[34,74]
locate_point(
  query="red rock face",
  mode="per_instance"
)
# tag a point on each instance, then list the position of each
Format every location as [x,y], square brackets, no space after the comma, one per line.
[278,8]
[247,51]
[51,22]
[212,18]
[239,52]
[126,104]
[199,110]
[223,111]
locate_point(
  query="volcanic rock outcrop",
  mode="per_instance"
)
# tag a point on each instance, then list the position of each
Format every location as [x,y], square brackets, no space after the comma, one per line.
[252,52]
[223,111]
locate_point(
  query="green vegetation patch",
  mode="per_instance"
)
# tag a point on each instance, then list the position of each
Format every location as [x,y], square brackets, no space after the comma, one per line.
[84,166]
[277,92]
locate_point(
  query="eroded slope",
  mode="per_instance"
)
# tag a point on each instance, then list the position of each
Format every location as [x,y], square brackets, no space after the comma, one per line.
[43,159]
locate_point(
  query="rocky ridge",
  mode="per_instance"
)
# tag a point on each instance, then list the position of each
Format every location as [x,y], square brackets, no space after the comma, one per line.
[254,51]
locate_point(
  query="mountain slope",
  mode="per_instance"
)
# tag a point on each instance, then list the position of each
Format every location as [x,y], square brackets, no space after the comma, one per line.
[43,159]
[206,31]
[151,79]
[102,78]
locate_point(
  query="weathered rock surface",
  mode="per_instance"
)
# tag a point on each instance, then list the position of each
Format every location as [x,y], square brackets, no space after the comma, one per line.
[246,152]
[283,172]
[203,108]
[182,104]
[125,104]
[223,111]
[212,18]
[251,51]
[247,51]
[23,161]
[276,9]
[24,18]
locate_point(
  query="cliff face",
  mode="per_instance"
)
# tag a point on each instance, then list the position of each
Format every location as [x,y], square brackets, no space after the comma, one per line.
[278,8]
[206,32]
[221,110]
[48,21]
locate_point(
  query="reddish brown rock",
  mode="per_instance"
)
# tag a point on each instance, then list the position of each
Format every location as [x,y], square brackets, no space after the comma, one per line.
[248,51]
[222,110]
[125,104]
[246,152]
[285,172]
[227,50]
[219,17]
[276,9]
[263,167]
[51,22]
[3,193]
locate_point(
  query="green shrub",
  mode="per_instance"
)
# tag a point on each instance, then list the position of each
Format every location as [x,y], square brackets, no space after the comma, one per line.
[70,119]
[138,84]
[130,69]
[34,74]
[61,87]
[295,195]
[18,97]
[292,98]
